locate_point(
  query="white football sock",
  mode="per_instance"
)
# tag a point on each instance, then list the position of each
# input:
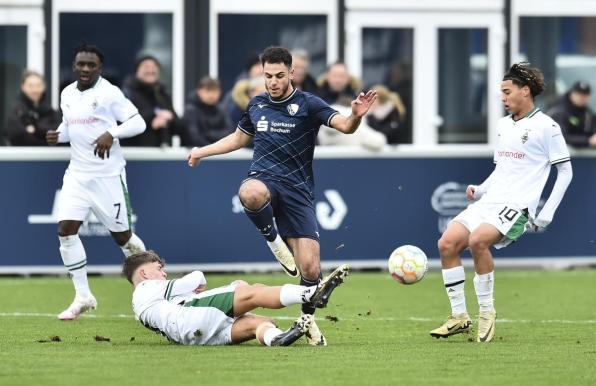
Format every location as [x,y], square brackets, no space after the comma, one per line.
[270,334]
[484,285]
[454,279]
[134,245]
[291,294]
[75,260]
[275,244]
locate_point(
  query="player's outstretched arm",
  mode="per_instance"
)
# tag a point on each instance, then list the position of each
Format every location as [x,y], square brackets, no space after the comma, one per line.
[193,282]
[60,135]
[360,107]
[475,192]
[234,141]
[564,176]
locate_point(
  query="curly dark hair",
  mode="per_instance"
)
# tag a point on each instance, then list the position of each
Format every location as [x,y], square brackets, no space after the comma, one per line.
[133,262]
[523,74]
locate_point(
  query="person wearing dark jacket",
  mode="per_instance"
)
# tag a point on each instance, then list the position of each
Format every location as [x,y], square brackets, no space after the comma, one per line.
[388,116]
[205,120]
[154,103]
[338,86]
[31,116]
[302,78]
[572,112]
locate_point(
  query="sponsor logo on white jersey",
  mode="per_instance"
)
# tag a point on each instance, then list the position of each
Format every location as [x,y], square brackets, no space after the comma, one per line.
[511,154]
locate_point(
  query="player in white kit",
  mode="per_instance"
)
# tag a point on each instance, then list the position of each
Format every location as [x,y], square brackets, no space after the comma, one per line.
[95,115]
[528,144]
[185,313]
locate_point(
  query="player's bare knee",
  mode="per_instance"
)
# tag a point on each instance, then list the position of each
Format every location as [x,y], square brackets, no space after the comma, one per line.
[67,228]
[447,246]
[310,271]
[121,238]
[239,283]
[253,194]
[478,243]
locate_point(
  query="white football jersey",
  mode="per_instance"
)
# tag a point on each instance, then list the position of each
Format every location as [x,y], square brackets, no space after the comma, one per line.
[151,307]
[524,153]
[85,116]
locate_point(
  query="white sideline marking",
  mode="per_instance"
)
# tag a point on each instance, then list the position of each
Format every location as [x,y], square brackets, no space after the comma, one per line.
[285,317]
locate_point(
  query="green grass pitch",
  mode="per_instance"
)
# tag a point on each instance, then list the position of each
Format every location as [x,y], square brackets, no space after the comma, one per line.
[545,335]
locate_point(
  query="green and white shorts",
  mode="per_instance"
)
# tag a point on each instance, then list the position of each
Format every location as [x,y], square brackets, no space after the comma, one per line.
[207,318]
[106,197]
[508,219]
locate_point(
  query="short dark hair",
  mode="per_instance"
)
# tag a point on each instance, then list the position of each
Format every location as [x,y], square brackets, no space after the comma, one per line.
[522,74]
[133,262]
[84,47]
[208,83]
[276,55]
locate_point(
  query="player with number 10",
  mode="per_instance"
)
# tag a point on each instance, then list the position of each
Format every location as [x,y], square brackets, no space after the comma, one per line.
[528,143]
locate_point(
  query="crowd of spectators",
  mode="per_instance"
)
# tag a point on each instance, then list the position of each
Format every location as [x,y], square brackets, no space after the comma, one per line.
[209,117]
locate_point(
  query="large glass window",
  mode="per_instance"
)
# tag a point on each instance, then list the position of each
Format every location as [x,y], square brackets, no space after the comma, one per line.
[241,37]
[130,36]
[387,59]
[563,48]
[13,60]
[463,73]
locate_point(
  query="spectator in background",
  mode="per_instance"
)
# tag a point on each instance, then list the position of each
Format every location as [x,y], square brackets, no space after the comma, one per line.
[31,116]
[572,112]
[302,79]
[399,80]
[205,120]
[252,70]
[365,136]
[149,95]
[243,92]
[338,86]
[388,115]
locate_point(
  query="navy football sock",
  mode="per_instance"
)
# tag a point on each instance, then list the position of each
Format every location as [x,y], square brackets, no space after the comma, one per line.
[308,308]
[263,220]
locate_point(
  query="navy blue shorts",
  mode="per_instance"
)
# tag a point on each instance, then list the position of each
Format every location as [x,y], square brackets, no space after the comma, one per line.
[294,210]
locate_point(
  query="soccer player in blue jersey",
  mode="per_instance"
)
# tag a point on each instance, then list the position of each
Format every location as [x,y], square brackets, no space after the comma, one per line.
[283,124]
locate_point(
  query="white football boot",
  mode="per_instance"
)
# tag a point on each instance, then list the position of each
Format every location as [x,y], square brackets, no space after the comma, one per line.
[79,305]
[286,259]
[314,336]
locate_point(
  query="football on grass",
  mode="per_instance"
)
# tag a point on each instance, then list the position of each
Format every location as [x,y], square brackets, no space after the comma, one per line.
[407,264]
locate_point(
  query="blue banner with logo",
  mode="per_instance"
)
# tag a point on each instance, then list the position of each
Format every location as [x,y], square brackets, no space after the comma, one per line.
[365,208]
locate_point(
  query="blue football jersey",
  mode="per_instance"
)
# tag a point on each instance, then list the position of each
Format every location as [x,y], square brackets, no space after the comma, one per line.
[285,133]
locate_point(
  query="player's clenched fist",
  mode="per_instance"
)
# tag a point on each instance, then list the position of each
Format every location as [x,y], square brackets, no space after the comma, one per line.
[52,137]
[194,157]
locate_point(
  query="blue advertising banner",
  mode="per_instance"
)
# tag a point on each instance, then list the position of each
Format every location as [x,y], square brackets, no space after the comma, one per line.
[366,207]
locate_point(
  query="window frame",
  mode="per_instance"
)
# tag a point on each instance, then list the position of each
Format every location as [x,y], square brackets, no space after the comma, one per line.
[175,7]
[540,8]
[328,8]
[426,19]
[32,18]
